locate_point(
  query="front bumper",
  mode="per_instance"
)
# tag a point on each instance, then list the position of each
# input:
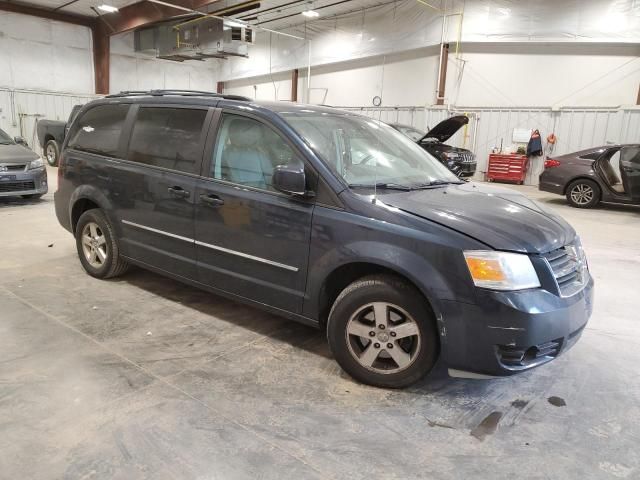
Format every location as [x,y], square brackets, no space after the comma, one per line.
[28,182]
[509,332]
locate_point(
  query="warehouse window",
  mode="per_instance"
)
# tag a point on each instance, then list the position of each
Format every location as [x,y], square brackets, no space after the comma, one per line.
[168,138]
[98,131]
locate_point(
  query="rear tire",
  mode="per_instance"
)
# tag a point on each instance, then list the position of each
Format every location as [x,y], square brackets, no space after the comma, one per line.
[583,193]
[382,332]
[97,246]
[52,152]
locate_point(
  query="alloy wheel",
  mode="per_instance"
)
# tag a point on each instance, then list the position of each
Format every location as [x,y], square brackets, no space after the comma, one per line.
[94,245]
[582,194]
[50,154]
[383,337]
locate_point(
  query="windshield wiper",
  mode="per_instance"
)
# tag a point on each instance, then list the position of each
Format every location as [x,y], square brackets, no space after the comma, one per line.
[436,183]
[383,185]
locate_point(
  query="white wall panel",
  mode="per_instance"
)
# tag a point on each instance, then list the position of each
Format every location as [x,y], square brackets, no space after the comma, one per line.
[134,71]
[44,55]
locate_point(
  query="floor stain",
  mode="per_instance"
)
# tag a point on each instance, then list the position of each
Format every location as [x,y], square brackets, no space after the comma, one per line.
[557,401]
[487,426]
[519,404]
[438,424]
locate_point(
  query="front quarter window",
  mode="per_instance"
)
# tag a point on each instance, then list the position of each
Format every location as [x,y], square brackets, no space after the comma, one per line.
[365,152]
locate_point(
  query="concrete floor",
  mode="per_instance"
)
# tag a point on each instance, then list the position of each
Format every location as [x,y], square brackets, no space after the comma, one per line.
[142,377]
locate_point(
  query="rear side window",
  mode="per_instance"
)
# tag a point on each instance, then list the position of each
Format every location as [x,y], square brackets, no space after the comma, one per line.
[98,130]
[168,138]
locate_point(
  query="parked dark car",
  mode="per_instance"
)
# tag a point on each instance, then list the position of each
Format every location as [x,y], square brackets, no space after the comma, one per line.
[460,161]
[22,172]
[328,218]
[609,174]
[51,134]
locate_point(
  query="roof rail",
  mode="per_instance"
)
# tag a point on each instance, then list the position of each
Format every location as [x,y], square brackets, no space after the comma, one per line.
[184,93]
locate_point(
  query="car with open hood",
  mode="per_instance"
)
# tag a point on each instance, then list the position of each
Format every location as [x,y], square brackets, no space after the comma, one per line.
[460,161]
[609,173]
[328,218]
[22,172]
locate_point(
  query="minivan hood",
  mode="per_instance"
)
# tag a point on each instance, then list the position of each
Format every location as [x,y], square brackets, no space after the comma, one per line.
[500,218]
[446,129]
[15,153]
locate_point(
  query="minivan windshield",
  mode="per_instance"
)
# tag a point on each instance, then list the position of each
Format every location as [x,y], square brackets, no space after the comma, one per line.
[5,139]
[368,153]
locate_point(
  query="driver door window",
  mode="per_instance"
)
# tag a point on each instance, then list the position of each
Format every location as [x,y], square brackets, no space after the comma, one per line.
[247,151]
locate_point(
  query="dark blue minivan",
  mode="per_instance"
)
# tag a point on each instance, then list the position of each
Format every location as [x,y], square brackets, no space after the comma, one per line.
[328,218]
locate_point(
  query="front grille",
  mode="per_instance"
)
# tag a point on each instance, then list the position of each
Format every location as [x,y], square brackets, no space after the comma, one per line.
[468,157]
[516,357]
[16,186]
[569,269]
[12,167]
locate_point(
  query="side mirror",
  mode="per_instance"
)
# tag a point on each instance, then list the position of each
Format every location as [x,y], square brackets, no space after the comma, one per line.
[289,179]
[20,141]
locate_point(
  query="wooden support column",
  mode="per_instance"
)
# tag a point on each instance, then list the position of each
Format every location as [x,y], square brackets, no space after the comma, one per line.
[294,85]
[638,100]
[101,56]
[442,81]
[220,87]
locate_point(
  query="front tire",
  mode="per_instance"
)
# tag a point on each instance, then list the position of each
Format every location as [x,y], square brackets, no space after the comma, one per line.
[97,246]
[382,332]
[52,152]
[583,193]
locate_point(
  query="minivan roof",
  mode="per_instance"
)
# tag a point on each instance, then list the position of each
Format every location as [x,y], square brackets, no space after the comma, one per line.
[196,97]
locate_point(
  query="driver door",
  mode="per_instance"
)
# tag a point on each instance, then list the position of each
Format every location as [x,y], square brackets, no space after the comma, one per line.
[630,171]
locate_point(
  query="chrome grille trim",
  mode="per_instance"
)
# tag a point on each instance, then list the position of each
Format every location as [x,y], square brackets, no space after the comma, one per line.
[569,269]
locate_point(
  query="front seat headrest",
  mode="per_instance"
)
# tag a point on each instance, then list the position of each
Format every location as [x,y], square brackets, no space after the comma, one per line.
[244,132]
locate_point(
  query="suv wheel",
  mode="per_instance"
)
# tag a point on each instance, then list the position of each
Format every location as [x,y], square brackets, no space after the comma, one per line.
[382,333]
[97,246]
[583,193]
[51,152]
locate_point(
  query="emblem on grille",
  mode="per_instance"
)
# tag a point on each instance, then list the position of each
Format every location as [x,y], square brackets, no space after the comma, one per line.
[3,168]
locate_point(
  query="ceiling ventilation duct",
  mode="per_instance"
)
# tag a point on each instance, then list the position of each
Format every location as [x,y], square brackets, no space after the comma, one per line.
[197,39]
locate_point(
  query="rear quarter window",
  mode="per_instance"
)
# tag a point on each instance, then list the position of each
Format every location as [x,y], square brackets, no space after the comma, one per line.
[99,129]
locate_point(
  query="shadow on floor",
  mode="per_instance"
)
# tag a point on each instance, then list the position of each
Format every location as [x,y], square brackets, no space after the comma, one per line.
[297,334]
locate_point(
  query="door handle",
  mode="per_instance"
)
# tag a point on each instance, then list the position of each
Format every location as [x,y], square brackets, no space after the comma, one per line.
[178,192]
[211,200]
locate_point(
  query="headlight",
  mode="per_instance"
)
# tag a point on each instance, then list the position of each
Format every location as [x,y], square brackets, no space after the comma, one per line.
[450,155]
[501,270]
[36,164]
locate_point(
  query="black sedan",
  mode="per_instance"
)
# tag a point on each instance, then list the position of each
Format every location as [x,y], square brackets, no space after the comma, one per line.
[460,161]
[610,173]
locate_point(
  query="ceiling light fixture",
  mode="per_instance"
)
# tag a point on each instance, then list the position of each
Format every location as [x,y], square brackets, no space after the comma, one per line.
[310,14]
[108,8]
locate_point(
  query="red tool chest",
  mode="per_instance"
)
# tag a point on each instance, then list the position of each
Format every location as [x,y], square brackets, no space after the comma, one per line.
[510,167]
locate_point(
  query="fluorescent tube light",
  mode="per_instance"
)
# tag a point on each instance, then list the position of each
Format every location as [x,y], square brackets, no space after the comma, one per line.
[107,8]
[310,13]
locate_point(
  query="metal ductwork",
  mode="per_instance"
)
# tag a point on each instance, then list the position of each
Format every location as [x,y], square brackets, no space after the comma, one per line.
[196,39]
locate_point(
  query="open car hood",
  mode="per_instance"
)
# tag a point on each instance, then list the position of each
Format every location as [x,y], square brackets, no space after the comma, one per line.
[498,217]
[446,129]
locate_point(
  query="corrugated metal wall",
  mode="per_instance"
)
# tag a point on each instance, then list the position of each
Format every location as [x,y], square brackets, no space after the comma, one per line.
[576,128]
[21,109]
